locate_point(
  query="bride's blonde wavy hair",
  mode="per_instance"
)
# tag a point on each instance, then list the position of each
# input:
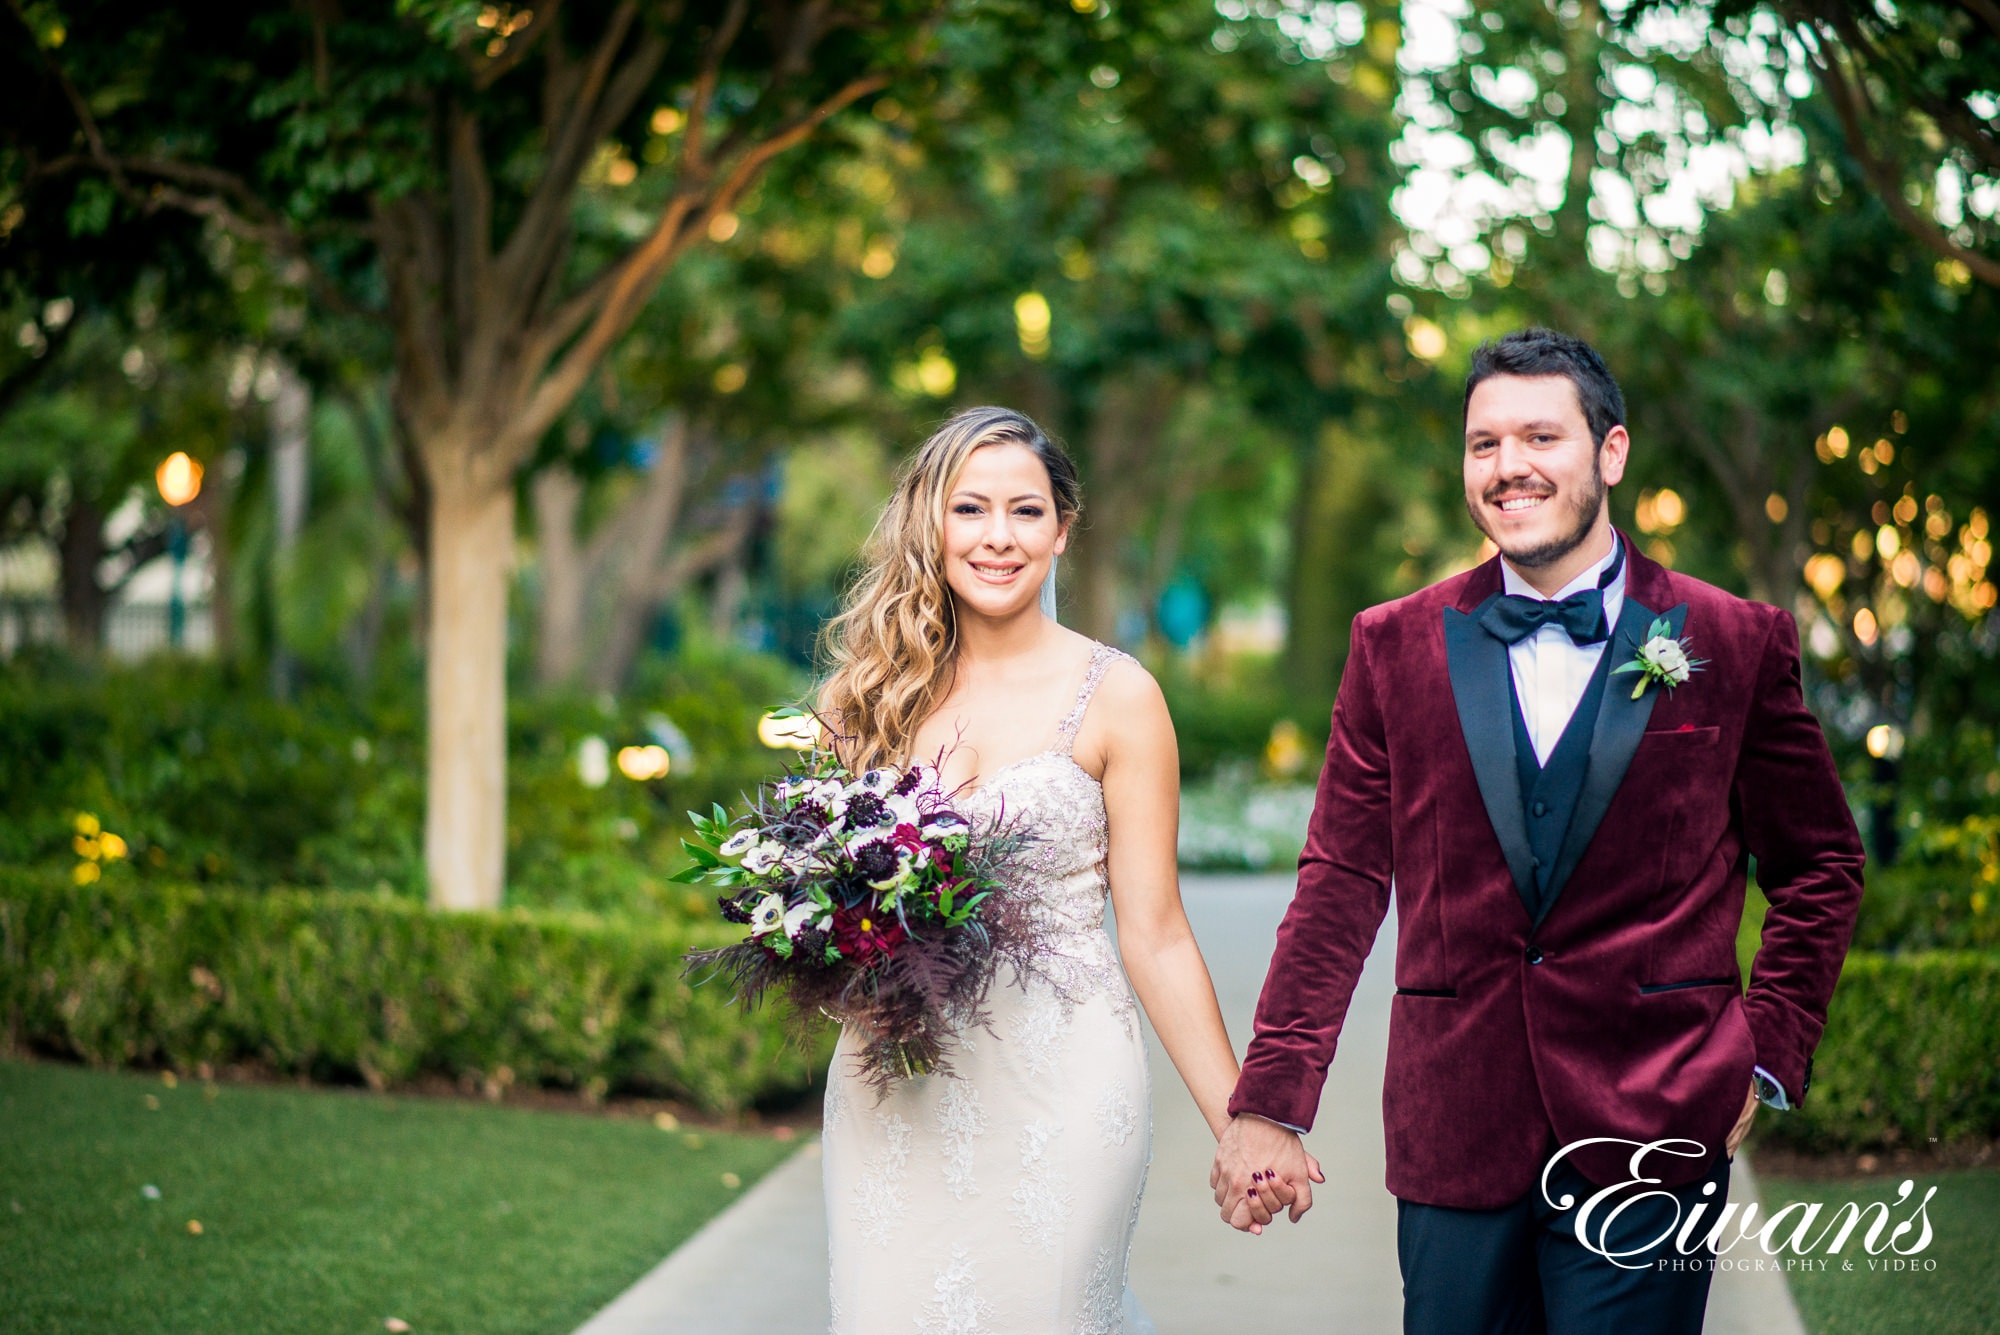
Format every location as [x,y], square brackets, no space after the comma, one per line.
[892,648]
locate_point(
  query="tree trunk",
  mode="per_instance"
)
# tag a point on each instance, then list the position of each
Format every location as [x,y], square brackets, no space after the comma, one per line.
[1339,511]
[1121,476]
[557,496]
[362,642]
[82,597]
[291,441]
[732,589]
[210,511]
[465,821]
[647,526]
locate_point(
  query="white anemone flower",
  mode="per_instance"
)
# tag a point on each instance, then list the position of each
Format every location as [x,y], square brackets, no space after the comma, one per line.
[879,781]
[740,843]
[768,915]
[904,808]
[763,857]
[798,915]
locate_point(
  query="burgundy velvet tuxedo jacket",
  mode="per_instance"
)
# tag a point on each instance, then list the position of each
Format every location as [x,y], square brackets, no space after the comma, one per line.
[1620,1012]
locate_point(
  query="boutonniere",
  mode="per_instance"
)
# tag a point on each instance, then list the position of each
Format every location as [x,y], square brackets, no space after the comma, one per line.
[1663,658]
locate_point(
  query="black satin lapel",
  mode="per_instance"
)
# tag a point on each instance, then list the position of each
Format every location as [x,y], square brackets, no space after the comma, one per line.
[1621,722]
[1479,669]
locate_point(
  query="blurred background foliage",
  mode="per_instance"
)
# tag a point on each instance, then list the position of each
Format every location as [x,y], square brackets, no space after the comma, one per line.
[1237,254]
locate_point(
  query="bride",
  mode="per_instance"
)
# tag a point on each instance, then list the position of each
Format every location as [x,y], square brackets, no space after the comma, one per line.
[1002,1197]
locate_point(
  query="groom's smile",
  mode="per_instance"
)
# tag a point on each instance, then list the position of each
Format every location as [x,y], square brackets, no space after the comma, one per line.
[1535,479]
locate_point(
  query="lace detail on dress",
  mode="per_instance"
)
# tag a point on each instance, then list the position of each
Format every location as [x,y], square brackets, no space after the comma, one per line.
[1041,1199]
[1101,659]
[1117,1118]
[1037,1032]
[1086,965]
[958,1309]
[959,1120]
[833,1111]
[1103,1296]
[1063,873]
[878,1199]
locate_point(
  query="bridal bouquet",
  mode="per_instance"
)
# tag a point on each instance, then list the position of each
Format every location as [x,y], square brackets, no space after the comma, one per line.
[867,898]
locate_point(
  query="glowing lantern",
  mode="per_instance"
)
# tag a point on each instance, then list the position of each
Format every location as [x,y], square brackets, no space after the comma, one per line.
[782,728]
[640,763]
[178,478]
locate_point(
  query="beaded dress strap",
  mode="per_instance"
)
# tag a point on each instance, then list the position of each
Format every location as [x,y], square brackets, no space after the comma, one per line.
[1101,659]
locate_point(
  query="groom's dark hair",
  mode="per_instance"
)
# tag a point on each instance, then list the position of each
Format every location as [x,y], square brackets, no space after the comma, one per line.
[1537,352]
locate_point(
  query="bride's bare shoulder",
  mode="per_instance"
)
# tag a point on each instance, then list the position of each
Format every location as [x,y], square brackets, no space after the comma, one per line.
[1127,719]
[1128,687]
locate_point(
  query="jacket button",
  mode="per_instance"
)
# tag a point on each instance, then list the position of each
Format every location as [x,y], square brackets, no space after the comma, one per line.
[1534,864]
[1541,808]
[1534,954]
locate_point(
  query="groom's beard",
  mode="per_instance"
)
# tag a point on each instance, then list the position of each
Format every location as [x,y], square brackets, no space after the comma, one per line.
[1581,509]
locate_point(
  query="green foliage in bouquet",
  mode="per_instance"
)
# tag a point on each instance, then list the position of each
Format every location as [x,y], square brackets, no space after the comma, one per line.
[342,986]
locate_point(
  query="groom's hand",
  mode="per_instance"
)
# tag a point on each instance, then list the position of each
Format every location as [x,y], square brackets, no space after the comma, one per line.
[1743,1120]
[1260,1169]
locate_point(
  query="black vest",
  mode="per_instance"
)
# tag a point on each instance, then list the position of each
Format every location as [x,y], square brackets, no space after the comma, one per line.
[1549,792]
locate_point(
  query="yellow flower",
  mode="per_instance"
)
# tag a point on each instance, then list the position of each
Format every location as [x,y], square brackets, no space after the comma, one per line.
[86,872]
[111,847]
[87,824]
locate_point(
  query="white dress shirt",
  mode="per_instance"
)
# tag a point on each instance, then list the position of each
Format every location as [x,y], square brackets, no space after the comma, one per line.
[1551,671]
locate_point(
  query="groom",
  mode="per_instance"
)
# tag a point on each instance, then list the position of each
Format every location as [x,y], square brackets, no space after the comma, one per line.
[1567,832]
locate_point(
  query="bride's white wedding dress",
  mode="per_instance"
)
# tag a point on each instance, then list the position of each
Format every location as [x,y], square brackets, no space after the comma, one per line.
[1000,1200]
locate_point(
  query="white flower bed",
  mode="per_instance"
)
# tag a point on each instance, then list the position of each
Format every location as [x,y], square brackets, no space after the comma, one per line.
[1230,822]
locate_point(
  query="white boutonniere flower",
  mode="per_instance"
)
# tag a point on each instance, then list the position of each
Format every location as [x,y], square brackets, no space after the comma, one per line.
[1663,658]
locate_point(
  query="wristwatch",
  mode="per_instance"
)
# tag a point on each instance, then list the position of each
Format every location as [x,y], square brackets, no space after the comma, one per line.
[1770,1092]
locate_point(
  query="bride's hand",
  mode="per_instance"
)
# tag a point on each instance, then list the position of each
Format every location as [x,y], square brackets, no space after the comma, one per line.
[1259,1156]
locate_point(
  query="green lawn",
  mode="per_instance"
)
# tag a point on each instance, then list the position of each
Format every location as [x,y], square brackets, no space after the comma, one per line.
[1961,1297]
[329,1211]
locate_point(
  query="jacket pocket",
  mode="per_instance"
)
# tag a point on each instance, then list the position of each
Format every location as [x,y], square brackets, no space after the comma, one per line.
[1648,989]
[1683,736]
[1449,993]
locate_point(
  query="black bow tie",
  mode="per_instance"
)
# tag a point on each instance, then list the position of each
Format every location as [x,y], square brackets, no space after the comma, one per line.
[1512,618]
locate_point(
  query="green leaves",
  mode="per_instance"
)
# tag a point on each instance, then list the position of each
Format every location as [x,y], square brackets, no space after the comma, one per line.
[90,209]
[356,985]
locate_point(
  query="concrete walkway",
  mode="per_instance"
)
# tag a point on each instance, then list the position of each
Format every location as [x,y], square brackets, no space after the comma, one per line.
[1334,1272]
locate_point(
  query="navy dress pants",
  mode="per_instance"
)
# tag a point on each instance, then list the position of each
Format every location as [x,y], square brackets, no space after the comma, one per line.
[1521,1270]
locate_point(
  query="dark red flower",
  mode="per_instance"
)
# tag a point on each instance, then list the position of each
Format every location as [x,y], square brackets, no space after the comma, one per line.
[865,932]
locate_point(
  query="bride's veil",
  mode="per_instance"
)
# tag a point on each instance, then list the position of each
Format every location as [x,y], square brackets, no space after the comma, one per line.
[1049,592]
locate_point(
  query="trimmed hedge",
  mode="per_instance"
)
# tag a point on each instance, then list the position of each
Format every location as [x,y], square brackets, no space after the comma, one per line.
[350,986]
[1911,1052]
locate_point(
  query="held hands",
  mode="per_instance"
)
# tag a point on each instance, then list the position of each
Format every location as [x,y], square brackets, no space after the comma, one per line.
[1261,1169]
[1743,1120]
